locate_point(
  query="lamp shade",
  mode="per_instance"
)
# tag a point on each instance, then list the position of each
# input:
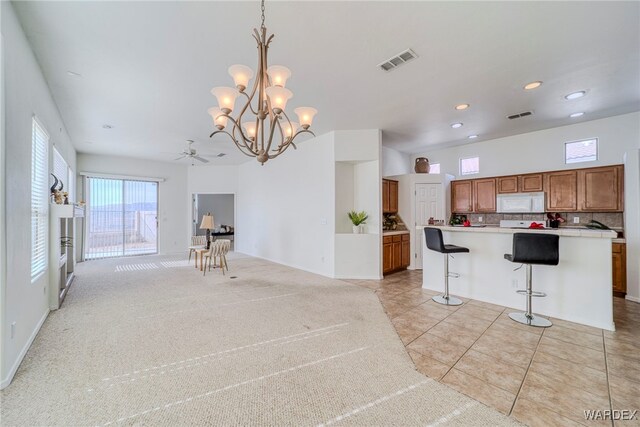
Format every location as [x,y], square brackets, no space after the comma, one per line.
[207,222]
[219,120]
[278,75]
[305,115]
[241,75]
[250,127]
[289,129]
[226,97]
[278,97]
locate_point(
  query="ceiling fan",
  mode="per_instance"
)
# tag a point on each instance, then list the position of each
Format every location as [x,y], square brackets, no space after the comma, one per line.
[191,153]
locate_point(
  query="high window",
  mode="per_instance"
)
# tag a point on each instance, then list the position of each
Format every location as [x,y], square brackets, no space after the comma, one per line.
[434,168]
[581,151]
[470,166]
[39,200]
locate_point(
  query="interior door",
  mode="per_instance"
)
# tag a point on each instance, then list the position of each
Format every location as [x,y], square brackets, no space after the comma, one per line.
[429,204]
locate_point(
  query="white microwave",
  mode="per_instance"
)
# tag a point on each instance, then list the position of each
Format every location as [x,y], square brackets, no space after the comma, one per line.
[520,203]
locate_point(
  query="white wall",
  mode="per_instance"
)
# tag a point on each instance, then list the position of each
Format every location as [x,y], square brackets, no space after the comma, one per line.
[25,94]
[172,203]
[618,142]
[285,209]
[395,162]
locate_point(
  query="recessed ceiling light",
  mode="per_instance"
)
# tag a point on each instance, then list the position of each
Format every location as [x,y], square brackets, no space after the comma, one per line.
[532,85]
[575,95]
[462,106]
[107,127]
[456,125]
[581,113]
[74,74]
[472,136]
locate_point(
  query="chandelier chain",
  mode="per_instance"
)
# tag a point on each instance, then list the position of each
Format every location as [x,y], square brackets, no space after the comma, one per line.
[262,9]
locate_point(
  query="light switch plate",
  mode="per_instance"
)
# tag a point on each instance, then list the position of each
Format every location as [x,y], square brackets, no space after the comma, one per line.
[576,220]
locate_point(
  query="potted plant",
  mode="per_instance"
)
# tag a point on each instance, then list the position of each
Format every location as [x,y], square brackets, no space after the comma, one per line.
[358,219]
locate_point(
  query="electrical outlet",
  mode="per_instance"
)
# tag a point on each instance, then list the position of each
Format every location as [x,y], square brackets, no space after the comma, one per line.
[480,219]
[576,220]
[514,283]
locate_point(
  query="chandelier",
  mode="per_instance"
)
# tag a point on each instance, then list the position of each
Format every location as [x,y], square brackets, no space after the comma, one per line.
[262,128]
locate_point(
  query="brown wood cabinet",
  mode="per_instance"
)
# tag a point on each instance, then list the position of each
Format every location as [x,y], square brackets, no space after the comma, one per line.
[462,196]
[600,189]
[530,183]
[561,191]
[395,252]
[507,184]
[389,196]
[619,261]
[385,196]
[484,195]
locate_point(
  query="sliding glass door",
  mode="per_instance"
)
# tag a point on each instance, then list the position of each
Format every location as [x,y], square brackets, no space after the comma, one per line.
[122,218]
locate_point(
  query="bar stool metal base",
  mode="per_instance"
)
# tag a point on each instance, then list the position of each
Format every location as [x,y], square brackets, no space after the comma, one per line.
[531,320]
[447,300]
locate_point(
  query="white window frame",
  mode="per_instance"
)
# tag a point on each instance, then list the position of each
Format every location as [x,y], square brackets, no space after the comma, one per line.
[581,140]
[468,158]
[439,168]
[39,199]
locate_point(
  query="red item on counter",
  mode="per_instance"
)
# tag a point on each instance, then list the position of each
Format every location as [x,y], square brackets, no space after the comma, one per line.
[467,223]
[536,225]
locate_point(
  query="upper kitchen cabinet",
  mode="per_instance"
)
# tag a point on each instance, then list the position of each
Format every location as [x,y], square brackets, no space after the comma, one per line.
[462,196]
[484,195]
[601,189]
[385,196]
[389,196]
[561,191]
[530,183]
[507,184]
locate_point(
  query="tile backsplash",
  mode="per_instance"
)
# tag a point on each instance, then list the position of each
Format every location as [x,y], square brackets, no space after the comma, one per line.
[610,219]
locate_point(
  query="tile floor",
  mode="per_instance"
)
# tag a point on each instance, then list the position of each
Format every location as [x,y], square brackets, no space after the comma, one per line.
[541,377]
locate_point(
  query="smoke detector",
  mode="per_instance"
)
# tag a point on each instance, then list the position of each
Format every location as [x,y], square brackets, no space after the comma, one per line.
[397,60]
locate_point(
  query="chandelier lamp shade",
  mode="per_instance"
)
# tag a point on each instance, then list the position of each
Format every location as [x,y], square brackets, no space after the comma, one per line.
[260,127]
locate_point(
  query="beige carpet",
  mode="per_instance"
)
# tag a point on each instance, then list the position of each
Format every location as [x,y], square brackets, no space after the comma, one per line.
[150,341]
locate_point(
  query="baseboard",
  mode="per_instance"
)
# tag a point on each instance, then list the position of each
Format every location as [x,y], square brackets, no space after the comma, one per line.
[6,381]
[358,277]
[297,267]
[634,299]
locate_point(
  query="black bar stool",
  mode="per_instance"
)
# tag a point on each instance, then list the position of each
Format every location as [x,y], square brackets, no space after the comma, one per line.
[529,249]
[433,237]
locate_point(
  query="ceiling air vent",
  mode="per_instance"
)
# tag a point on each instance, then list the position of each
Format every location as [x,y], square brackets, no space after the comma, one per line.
[517,116]
[396,61]
[221,154]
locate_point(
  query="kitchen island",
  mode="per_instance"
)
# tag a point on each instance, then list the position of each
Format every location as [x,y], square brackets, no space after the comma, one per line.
[578,289]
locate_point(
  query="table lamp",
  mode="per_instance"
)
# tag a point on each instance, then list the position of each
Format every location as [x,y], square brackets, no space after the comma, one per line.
[207,224]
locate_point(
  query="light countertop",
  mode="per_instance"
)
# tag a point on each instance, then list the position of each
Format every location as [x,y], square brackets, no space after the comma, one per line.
[567,232]
[394,232]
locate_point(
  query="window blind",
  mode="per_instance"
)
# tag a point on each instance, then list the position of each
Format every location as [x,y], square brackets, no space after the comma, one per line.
[39,200]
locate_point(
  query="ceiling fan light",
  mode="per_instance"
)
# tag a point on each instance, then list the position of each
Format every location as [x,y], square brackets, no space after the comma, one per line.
[219,119]
[278,75]
[305,116]
[278,97]
[226,98]
[241,75]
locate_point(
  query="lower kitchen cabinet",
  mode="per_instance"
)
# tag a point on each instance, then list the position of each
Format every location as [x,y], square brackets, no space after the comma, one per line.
[395,252]
[619,261]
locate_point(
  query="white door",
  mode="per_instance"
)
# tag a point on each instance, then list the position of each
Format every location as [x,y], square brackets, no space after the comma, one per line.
[429,204]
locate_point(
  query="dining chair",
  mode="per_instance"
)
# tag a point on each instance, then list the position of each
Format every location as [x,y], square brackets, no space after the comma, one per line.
[219,249]
[197,242]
